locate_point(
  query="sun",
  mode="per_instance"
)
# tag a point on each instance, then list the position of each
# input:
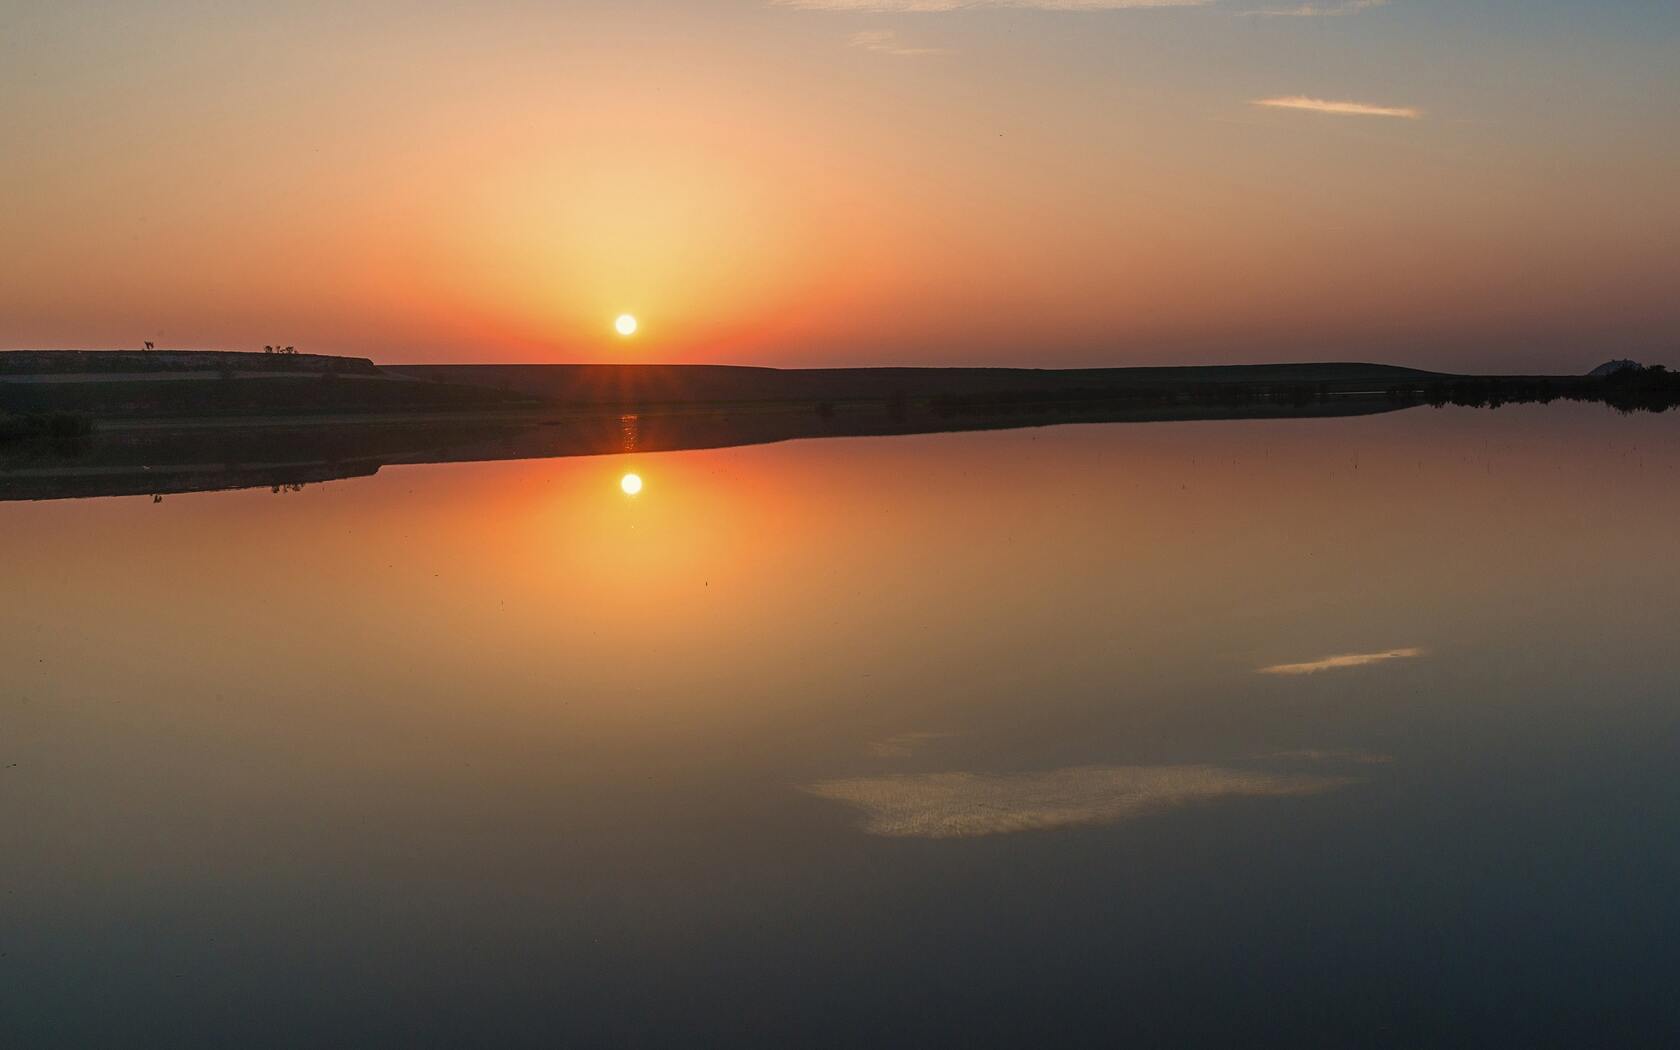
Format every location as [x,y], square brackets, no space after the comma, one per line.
[631,484]
[626,325]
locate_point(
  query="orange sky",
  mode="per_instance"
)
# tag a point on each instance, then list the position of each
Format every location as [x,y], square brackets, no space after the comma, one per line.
[785,183]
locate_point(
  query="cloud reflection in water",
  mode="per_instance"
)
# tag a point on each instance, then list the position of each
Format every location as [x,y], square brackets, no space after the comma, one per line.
[966,805]
[1361,758]
[903,745]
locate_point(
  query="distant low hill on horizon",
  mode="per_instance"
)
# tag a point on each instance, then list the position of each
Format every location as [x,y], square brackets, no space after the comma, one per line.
[1610,368]
[230,385]
[93,362]
[608,384]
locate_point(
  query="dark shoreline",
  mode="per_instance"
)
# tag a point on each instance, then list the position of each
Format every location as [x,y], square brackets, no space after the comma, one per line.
[101,425]
[159,458]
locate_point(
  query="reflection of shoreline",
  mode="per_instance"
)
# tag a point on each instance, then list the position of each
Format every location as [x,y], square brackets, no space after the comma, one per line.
[154,458]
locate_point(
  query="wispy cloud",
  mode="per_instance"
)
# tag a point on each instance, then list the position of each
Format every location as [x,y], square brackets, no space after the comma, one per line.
[1336,663]
[967,805]
[1358,758]
[1345,109]
[909,6]
[903,745]
[887,42]
[1315,10]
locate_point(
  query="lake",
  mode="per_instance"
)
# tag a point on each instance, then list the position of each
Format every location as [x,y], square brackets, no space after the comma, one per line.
[1355,731]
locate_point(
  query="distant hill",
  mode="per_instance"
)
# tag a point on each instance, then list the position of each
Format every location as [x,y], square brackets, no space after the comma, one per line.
[105,384]
[1610,368]
[85,362]
[38,385]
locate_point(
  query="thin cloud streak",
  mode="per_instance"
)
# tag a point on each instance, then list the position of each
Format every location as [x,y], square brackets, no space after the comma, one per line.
[1337,663]
[1344,109]
[903,745]
[1311,10]
[1360,758]
[925,6]
[970,805]
[886,42]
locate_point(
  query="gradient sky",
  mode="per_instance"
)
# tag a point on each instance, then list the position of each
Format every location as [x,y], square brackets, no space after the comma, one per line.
[1474,185]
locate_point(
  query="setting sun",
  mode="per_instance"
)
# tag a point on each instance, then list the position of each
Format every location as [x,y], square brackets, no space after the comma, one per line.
[1083,433]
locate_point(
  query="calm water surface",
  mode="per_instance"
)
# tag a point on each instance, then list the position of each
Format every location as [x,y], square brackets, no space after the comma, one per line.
[1322,732]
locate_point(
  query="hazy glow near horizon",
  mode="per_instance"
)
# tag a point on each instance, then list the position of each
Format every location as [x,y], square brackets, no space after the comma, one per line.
[839,182]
